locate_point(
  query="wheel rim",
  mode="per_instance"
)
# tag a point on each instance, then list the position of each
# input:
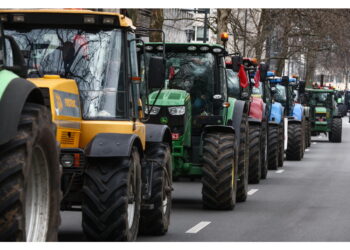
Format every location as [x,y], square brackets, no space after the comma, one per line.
[131,196]
[37,198]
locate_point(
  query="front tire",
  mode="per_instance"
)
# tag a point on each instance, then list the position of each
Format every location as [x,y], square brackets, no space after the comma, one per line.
[156,221]
[254,154]
[336,130]
[295,142]
[263,153]
[273,147]
[219,171]
[30,178]
[112,198]
[281,146]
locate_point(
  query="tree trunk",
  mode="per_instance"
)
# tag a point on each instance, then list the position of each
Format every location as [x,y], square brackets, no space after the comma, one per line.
[310,67]
[222,22]
[157,20]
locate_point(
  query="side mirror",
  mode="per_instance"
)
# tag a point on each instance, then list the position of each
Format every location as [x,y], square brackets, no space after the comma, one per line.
[285,80]
[156,72]
[302,85]
[237,61]
[264,68]
[17,63]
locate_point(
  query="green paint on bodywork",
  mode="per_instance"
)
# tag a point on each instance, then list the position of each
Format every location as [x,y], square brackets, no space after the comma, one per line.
[319,110]
[5,78]
[230,109]
[169,97]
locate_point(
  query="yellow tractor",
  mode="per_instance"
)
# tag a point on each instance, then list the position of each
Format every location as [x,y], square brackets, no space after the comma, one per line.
[116,169]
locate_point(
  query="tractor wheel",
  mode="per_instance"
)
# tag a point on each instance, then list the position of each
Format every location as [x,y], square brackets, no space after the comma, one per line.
[336,130]
[219,171]
[307,133]
[156,221]
[243,163]
[295,142]
[263,153]
[254,154]
[272,148]
[30,176]
[281,146]
[112,198]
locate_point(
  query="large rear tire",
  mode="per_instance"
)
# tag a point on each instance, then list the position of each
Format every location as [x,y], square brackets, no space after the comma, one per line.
[281,146]
[295,142]
[112,198]
[219,171]
[243,163]
[263,152]
[254,154]
[156,221]
[336,130]
[273,147]
[30,178]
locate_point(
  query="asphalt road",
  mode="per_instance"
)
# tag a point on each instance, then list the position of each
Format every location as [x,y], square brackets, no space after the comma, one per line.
[303,201]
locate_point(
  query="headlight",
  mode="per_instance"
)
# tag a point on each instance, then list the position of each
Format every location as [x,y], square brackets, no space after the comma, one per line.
[67,160]
[178,110]
[154,111]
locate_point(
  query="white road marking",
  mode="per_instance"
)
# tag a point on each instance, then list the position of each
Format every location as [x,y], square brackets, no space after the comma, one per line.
[279,171]
[252,191]
[314,143]
[307,150]
[198,227]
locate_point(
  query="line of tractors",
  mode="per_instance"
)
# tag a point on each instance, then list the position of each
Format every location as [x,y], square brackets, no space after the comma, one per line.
[95,120]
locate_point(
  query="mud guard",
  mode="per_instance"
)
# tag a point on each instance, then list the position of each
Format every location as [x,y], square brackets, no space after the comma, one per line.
[158,133]
[113,145]
[239,109]
[276,112]
[18,92]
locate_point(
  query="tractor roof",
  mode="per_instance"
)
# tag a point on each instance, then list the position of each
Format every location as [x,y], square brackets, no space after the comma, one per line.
[64,17]
[320,90]
[185,47]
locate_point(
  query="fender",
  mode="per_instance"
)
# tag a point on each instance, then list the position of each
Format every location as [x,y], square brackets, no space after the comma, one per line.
[298,111]
[276,112]
[158,133]
[252,120]
[17,92]
[239,109]
[218,128]
[113,145]
[256,108]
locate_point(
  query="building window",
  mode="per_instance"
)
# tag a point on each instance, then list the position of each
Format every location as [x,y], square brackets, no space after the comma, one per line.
[200,34]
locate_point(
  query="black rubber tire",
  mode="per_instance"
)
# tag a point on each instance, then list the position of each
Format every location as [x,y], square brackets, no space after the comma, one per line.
[156,221]
[243,162]
[272,149]
[307,133]
[263,152]
[219,171]
[35,131]
[280,146]
[295,142]
[254,154]
[336,130]
[106,197]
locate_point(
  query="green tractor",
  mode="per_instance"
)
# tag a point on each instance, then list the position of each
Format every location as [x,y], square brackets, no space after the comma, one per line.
[206,124]
[325,117]
[29,171]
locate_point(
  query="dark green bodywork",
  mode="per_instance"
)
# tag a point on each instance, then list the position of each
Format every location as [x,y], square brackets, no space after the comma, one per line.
[186,146]
[322,111]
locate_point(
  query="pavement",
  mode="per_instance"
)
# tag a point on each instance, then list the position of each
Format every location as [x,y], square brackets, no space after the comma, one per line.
[302,201]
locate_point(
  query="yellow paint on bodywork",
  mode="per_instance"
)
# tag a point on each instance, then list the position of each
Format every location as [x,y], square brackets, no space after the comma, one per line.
[123,20]
[89,129]
[68,127]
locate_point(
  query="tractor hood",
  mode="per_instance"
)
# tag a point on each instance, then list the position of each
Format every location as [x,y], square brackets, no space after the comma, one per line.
[320,110]
[169,97]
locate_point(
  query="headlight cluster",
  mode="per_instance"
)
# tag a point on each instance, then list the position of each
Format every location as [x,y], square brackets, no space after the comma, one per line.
[177,110]
[155,110]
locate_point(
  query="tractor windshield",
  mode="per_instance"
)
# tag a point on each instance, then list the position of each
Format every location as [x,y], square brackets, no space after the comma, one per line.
[321,99]
[92,58]
[194,73]
[281,95]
